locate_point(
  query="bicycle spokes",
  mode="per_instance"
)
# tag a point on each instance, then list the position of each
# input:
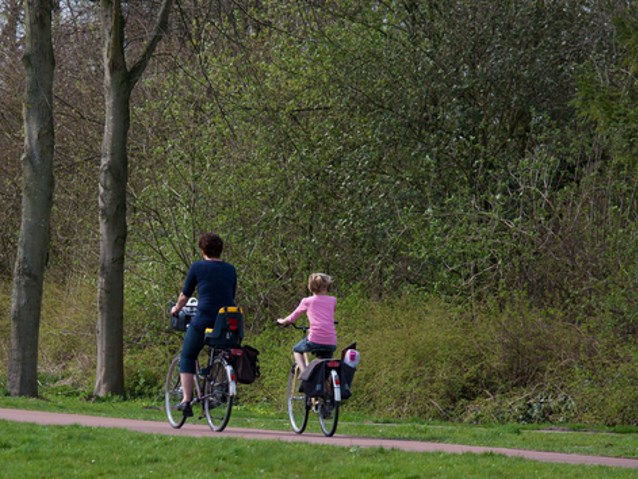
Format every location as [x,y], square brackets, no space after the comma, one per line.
[297,402]
[218,395]
[173,393]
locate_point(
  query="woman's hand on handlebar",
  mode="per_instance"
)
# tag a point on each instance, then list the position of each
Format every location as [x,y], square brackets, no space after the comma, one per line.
[181,301]
[282,323]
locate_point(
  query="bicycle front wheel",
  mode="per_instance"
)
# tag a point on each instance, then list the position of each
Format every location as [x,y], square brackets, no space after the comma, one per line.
[298,405]
[218,402]
[173,393]
[328,410]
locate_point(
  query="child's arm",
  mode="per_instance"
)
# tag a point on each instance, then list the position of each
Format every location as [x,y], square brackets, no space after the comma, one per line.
[301,309]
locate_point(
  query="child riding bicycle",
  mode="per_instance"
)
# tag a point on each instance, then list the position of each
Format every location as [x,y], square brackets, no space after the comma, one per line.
[320,309]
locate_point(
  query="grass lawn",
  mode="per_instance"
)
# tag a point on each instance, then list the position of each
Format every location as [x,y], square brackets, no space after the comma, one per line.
[31,451]
[621,442]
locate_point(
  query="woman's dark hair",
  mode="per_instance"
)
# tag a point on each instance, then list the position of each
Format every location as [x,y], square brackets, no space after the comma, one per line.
[211,244]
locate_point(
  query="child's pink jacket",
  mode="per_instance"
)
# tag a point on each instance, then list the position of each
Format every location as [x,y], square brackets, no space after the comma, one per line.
[320,310]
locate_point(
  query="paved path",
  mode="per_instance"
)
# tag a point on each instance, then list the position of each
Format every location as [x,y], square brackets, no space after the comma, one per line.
[154,427]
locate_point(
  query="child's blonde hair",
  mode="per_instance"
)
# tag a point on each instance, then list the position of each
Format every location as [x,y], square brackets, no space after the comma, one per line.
[319,283]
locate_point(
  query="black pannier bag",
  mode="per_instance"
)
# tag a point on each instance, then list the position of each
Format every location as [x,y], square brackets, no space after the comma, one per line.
[313,378]
[229,328]
[245,362]
[346,375]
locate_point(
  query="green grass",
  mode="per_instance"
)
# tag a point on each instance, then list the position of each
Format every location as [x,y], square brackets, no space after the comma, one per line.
[601,441]
[31,451]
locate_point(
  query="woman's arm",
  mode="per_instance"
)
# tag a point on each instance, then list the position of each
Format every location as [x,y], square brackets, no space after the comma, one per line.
[181,301]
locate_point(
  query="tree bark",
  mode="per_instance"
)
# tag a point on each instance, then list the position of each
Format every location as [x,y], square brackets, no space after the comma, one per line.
[37,199]
[112,206]
[118,85]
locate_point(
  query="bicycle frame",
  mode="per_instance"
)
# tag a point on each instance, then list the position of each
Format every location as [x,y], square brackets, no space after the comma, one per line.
[336,384]
[232,380]
[230,375]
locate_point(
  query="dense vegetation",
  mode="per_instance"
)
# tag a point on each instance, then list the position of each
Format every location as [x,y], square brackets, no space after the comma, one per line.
[465,170]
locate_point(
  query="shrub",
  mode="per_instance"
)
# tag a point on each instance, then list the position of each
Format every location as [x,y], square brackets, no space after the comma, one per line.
[67,332]
[145,370]
[417,357]
[604,385]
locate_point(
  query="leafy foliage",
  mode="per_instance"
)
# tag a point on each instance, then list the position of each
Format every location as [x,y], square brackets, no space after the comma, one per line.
[481,153]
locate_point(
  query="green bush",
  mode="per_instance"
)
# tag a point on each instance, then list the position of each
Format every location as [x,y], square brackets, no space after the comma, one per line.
[145,370]
[604,385]
[67,332]
[417,357]
[275,358]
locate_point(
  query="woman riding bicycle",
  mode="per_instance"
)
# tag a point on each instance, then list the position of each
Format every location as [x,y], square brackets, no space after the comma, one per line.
[320,309]
[216,283]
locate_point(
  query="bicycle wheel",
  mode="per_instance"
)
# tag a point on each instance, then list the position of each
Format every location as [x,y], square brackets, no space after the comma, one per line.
[328,410]
[218,402]
[298,405]
[173,395]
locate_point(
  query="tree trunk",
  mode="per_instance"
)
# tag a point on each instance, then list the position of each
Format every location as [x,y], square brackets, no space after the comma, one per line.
[118,84]
[112,206]
[38,185]
[113,230]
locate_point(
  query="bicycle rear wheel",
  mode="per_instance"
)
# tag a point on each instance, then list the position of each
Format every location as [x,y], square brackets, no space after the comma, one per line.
[328,410]
[218,402]
[298,404]
[173,393]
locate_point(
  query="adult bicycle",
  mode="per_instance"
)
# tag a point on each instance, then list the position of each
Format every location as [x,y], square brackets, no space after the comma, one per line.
[215,384]
[324,403]
[214,388]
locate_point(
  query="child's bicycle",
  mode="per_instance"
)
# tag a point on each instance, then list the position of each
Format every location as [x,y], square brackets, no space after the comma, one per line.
[326,404]
[215,384]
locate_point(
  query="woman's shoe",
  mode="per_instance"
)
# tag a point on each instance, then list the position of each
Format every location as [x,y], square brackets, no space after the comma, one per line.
[185,407]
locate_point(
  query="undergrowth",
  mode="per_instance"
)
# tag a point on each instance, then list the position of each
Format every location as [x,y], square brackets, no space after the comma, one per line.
[421,358]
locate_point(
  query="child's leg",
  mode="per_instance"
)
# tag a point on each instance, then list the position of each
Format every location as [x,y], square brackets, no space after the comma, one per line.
[298,352]
[301,362]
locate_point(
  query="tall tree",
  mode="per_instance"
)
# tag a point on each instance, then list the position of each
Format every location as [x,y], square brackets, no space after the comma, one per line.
[37,199]
[119,82]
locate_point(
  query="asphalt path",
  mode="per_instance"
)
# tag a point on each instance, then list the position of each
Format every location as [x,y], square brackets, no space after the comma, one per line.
[198,430]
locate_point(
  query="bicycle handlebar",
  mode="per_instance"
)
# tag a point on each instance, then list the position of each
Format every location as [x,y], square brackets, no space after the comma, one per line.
[303,328]
[294,325]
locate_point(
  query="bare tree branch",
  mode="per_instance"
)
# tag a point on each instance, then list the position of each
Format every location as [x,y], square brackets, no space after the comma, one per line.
[158,32]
